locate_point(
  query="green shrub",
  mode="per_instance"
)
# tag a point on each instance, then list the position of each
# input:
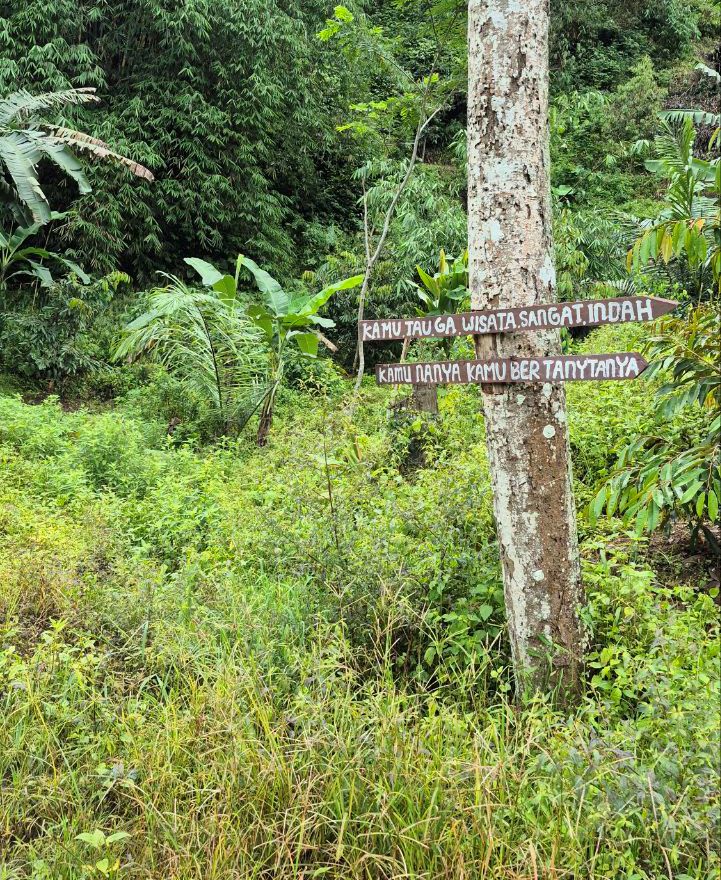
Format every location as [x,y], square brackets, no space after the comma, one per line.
[111,451]
[62,334]
[36,430]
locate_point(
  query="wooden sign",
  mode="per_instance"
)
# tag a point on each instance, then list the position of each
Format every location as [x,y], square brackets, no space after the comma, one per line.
[584,313]
[567,368]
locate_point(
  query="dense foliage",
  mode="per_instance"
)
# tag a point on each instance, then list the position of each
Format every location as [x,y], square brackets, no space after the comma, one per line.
[222,102]
[291,660]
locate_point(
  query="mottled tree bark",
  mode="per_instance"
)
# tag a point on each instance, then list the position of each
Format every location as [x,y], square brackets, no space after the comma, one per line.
[425,398]
[511,264]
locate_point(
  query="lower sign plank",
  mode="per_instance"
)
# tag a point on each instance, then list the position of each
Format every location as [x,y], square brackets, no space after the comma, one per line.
[585,313]
[567,368]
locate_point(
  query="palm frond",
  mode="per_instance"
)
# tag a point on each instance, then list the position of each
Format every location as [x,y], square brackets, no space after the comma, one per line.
[206,343]
[696,117]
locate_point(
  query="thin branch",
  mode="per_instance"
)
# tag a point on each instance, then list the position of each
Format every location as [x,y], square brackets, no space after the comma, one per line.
[371,260]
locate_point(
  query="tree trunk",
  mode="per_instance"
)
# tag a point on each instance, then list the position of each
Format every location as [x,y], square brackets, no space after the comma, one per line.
[264,423]
[425,397]
[511,264]
[266,417]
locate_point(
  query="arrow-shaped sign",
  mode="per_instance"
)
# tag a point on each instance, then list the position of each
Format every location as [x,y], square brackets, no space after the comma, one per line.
[584,313]
[566,368]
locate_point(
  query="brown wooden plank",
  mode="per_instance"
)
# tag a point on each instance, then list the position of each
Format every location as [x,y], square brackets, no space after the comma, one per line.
[582,313]
[567,368]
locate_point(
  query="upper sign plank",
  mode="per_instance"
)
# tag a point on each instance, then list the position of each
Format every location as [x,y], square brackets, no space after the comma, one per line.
[585,313]
[565,368]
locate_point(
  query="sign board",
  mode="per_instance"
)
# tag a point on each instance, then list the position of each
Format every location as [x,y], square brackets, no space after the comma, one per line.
[566,368]
[584,313]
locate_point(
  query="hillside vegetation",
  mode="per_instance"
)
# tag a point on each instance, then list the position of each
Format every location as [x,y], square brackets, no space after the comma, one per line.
[252,620]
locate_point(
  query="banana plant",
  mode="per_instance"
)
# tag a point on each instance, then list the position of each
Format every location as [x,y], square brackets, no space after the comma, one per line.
[26,138]
[283,318]
[20,260]
[444,292]
[447,289]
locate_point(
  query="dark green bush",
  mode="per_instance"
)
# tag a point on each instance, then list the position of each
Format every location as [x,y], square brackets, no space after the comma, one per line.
[58,335]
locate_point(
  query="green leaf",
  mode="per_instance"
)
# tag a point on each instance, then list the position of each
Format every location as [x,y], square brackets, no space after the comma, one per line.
[262,319]
[117,835]
[485,611]
[307,343]
[321,321]
[700,504]
[275,297]
[20,158]
[94,838]
[22,233]
[209,275]
[641,519]
[613,502]
[226,289]
[65,160]
[42,273]
[83,276]
[690,493]
[598,503]
[430,283]
[712,506]
[314,302]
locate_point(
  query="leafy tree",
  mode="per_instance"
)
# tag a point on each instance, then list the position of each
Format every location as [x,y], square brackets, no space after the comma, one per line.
[687,232]
[429,216]
[676,470]
[402,117]
[594,44]
[590,252]
[233,105]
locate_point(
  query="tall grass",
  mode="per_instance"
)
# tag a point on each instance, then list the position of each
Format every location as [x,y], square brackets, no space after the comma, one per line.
[165,673]
[216,769]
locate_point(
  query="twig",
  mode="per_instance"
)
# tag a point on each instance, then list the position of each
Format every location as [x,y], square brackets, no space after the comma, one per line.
[372,258]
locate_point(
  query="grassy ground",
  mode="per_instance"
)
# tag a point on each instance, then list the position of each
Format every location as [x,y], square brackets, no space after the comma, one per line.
[290,663]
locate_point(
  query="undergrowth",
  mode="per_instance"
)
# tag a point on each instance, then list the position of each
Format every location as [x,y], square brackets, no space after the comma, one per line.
[291,663]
